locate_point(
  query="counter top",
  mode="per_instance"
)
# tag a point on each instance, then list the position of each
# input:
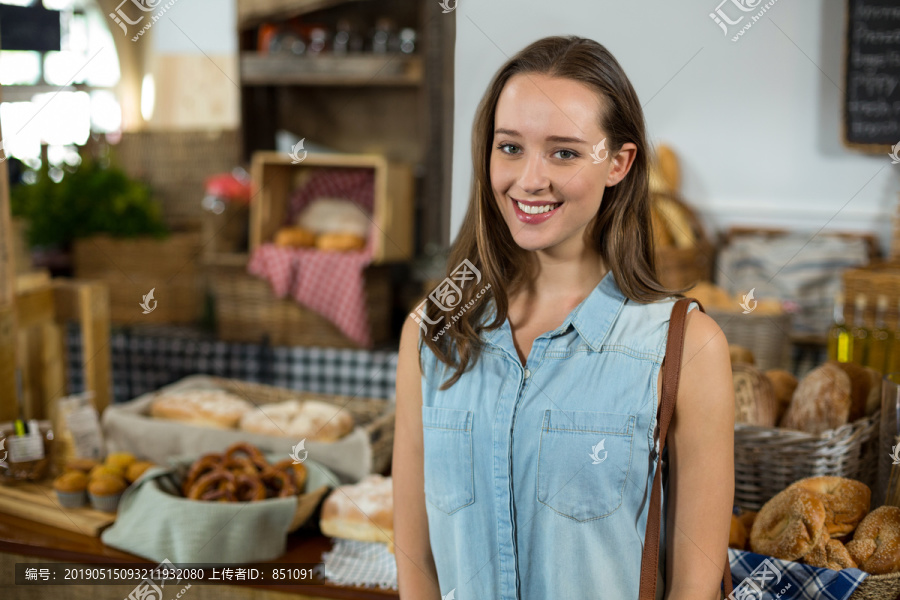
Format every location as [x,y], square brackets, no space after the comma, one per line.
[28,538]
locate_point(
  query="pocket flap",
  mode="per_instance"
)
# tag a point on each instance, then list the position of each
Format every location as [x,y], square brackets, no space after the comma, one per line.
[588,422]
[446,418]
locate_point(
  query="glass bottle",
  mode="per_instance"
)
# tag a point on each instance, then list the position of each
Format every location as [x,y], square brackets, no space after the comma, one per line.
[840,344]
[859,332]
[881,342]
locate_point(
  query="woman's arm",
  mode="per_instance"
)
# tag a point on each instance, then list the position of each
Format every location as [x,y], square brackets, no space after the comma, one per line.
[416,574]
[701,468]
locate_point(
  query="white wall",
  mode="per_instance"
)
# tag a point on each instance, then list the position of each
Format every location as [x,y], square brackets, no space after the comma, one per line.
[756,123]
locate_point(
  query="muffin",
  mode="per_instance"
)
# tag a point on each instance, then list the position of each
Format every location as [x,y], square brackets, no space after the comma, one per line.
[81,464]
[135,470]
[105,492]
[120,460]
[101,470]
[70,488]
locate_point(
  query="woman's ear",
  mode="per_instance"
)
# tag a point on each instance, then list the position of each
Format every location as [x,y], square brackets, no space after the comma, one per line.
[621,164]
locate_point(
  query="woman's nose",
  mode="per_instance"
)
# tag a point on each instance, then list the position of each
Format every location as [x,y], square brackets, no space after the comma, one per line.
[534,177]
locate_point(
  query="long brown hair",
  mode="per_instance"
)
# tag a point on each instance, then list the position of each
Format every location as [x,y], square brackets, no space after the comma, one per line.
[621,232]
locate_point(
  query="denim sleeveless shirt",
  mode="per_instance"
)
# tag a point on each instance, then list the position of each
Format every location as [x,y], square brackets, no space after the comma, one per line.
[538,478]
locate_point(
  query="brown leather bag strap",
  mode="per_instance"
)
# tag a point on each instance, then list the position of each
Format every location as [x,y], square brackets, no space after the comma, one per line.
[671,374]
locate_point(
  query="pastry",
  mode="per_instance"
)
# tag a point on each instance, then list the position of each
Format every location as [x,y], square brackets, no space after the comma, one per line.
[214,408]
[737,536]
[821,401]
[711,296]
[754,396]
[747,518]
[789,525]
[135,470]
[120,460]
[830,555]
[783,383]
[876,544]
[310,420]
[70,488]
[739,354]
[860,382]
[340,242]
[295,237]
[106,470]
[361,511]
[105,492]
[242,474]
[846,501]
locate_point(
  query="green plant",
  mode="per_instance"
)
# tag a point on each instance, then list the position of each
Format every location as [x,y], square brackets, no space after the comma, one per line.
[88,200]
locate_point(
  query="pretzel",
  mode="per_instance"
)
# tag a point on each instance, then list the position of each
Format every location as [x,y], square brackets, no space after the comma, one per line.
[203,465]
[251,451]
[240,465]
[278,481]
[208,486]
[250,488]
[296,471]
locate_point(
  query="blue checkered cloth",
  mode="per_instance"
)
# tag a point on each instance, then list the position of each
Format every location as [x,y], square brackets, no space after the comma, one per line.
[352,562]
[758,577]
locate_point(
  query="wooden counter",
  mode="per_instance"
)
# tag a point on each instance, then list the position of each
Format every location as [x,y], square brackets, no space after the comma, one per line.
[26,541]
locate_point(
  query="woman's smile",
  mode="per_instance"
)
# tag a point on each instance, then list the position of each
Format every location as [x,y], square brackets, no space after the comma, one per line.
[536,211]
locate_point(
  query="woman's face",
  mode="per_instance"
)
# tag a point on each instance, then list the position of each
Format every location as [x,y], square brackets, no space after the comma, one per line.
[547,169]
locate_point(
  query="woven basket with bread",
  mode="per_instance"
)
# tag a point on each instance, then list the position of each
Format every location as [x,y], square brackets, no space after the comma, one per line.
[787,429]
[826,522]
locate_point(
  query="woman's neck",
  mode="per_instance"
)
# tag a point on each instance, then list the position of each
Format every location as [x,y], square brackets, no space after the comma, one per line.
[565,278]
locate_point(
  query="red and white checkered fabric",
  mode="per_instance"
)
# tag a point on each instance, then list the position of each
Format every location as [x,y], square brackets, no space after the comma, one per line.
[330,283]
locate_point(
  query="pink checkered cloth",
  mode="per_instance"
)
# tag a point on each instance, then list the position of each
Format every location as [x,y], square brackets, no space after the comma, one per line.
[330,283]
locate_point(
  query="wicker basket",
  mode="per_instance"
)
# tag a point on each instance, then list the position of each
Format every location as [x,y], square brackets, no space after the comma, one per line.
[766,335]
[246,310]
[878,587]
[678,268]
[767,460]
[372,414]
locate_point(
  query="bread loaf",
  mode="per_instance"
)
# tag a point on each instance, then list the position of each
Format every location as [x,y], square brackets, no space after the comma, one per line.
[784,384]
[754,396]
[873,402]
[214,408]
[310,420]
[363,511]
[739,354]
[820,402]
[860,383]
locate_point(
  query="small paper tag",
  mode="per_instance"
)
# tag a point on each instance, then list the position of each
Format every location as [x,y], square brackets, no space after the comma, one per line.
[25,448]
[87,437]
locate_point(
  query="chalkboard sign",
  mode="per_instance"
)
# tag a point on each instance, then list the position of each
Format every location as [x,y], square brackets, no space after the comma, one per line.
[872,71]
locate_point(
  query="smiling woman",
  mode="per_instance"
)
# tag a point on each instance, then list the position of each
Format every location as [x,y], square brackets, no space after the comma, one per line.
[527,440]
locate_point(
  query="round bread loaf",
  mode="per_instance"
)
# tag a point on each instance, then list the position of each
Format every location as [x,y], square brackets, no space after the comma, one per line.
[846,501]
[754,396]
[821,401]
[860,383]
[876,544]
[784,383]
[789,525]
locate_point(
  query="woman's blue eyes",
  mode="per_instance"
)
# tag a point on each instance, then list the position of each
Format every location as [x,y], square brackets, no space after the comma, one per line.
[513,150]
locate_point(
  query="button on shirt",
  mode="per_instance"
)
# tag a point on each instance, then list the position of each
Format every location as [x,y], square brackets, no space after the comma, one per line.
[537,479]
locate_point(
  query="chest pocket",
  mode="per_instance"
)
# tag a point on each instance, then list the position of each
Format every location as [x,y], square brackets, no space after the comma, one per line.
[583,462]
[449,470]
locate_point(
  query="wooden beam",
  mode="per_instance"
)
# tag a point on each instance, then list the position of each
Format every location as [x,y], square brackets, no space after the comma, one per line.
[7,293]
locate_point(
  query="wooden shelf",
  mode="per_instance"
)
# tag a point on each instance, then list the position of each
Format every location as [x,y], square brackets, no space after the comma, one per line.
[254,12]
[328,69]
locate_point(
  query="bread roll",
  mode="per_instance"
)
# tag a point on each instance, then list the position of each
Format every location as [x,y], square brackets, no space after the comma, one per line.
[832,554]
[212,408]
[295,237]
[737,537]
[860,383]
[789,525]
[754,396]
[747,518]
[846,501]
[340,242]
[876,544]
[710,296]
[739,354]
[363,511]
[821,401]
[784,383]
[310,420]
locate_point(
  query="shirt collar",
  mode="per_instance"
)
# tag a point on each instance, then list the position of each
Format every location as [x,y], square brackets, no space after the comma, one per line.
[592,318]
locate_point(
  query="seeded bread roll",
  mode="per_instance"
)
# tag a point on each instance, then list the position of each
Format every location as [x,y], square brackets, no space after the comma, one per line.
[754,396]
[846,501]
[789,525]
[821,401]
[876,544]
[830,554]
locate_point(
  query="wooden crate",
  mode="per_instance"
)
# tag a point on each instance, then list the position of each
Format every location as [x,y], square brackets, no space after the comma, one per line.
[43,307]
[246,310]
[132,267]
[273,177]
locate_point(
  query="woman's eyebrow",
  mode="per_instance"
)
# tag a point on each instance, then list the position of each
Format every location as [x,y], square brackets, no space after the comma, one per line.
[550,138]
